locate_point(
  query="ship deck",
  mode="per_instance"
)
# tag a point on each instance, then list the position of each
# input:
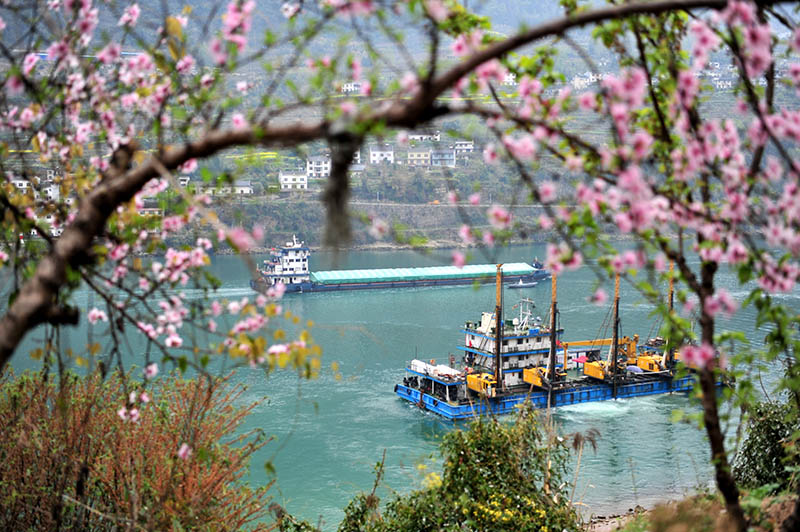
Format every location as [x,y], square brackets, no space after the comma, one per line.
[432,273]
[570,392]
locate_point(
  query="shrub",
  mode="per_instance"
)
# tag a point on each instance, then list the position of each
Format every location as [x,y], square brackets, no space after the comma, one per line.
[69,460]
[763,457]
[496,476]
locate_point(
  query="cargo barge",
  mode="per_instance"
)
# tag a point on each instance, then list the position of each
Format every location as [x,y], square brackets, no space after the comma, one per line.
[288,265]
[508,362]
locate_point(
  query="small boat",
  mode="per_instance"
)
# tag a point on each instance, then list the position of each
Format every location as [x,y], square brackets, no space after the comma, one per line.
[523,284]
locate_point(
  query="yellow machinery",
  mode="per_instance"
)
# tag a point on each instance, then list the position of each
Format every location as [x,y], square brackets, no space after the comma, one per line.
[602,368]
[538,375]
[483,383]
[650,362]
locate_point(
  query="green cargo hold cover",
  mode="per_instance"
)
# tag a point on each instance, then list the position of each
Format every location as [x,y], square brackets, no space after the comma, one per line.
[387,275]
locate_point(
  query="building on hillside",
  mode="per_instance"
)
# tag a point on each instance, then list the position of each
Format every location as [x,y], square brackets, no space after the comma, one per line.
[510,79]
[464,146]
[240,187]
[419,157]
[293,181]
[357,157]
[356,170]
[424,135]
[379,153]
[443,158]
[318,166]
[184,180]
[351,87]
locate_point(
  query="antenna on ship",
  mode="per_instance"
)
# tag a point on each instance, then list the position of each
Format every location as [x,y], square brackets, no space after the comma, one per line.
[670,354]
[498,327]
[615,342]
[551,376]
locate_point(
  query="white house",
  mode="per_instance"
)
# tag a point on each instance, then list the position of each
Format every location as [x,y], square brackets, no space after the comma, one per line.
[241,187]
[293,181]
[421,136]
[379,153]
[464,146]
[318,166]
[443,158]
[351,87]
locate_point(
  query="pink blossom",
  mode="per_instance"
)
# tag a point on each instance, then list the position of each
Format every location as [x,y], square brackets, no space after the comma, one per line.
[240,239]
[95,315]
[409,83]
[587,101]
[437,10]
[545,222]
[133,414]
[378,229]
[218,51]
[238,121]
[366,88]
[547,191]
[721,301]
[499,217]
[474,198]
[185,64]
[688,85]
[348,108]
[402,138]
[123,413]
[129,16]
[574,163]
[290,9]
[697,356]
[29,62]
[212,326]
[173,340]
[144,398]
[466,234]
[599,297]
[355,68]
[150,370]
[452,197]
[490,154]
[184,452]
[14,85]
[276,291]
[488,238]
[458,259]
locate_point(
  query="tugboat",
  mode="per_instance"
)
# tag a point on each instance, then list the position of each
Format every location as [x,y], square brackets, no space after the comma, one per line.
[507,362]
[287,264]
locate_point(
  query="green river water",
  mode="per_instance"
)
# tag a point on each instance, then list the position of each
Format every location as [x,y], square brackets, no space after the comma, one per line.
[330,432]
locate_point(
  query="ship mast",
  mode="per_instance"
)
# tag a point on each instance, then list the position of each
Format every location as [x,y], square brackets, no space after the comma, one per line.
[668,357]
[553,310]
[553,337]
[498,327]
[615,342]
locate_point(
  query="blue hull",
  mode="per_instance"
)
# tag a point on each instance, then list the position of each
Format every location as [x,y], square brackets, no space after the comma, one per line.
[566,396]
[410,283]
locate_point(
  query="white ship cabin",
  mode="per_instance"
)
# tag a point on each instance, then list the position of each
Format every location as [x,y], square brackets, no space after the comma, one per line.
[288,263]
[526,343]
[437,380]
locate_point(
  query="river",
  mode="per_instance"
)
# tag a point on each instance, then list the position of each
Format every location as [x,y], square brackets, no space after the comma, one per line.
[330,432]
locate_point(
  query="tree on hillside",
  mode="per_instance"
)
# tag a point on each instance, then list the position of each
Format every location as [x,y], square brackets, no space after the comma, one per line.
[118,103]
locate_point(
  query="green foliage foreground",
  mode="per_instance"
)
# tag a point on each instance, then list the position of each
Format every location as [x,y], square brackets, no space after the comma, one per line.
[496,476]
